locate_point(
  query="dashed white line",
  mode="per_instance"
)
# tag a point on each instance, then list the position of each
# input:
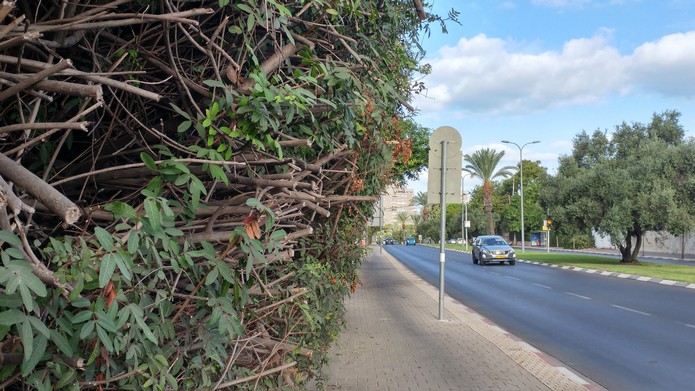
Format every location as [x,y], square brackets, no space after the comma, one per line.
[630,309]
[692,326]
[542,286]
[514,278]
[579,296]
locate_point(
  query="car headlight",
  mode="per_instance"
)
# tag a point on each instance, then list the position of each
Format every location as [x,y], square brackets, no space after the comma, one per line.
[486,253]
[512,254]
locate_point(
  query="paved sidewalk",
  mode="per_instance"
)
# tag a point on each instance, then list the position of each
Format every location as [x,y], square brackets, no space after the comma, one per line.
[394,341]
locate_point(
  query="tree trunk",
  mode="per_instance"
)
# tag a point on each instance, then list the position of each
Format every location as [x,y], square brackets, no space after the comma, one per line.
[487,203]
[628,254]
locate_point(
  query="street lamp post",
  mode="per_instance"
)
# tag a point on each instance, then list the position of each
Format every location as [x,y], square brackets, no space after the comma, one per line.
[521,185]
[464,215]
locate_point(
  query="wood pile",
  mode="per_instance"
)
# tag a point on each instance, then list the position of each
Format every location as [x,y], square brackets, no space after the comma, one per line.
[129,101]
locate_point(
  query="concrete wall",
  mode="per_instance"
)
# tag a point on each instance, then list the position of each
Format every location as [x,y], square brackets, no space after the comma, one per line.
[657,241]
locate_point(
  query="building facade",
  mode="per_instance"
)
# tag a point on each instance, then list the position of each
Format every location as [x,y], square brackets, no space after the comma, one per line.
[396,199]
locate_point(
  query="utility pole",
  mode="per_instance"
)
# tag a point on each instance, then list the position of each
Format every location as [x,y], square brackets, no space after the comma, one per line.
[521,186]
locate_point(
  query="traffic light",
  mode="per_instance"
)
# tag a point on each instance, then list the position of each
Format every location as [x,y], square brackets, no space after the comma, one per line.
[549,221]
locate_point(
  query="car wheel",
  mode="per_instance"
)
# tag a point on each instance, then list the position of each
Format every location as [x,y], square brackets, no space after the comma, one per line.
[475,261]
[512,263]
[483,262]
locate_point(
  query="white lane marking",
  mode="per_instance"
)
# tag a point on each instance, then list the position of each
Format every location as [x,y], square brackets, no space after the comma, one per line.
[579,296]
[542,286]
[692,326]
[514,278]
[630,309]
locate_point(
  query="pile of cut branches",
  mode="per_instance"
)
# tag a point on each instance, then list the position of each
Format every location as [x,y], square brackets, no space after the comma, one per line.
[183,184]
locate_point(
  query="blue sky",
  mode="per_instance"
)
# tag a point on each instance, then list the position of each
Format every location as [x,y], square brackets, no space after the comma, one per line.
[548,69]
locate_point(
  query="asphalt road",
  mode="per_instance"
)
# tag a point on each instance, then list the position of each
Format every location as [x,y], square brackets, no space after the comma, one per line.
[622,334]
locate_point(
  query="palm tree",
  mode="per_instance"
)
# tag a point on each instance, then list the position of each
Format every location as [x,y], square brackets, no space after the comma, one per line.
[420,199]
[483,164]
[403,218]
[417,219]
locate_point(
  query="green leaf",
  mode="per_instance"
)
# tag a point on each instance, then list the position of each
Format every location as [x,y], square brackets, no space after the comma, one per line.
[332,11]
[245,8]
[38,350]
[11,238]
[133,241]
[61,342]
[123,264]
[34,283]
[252,202]
[283,10]
[108,265]
[225,271]
[212,276]
[137,314]
[39,326]
[10,317]
[184,126]
[181,112]
[66,379]
[105,239]
[26,335]
[14,253]
[121,210]
[27,298]
[82,317]
[87,329]
[218,173]
[278,234]
[153,214]
[107,323]
[149,162]
[104,338]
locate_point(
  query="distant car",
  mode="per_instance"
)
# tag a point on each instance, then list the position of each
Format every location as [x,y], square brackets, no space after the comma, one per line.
[410,241]
[492,248]
[390,241]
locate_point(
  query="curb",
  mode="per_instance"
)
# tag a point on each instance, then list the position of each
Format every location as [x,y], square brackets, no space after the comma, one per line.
[613,274]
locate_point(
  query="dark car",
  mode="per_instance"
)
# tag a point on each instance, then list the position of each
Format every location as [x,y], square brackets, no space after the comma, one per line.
[410,241]
[492,248]
[390,241]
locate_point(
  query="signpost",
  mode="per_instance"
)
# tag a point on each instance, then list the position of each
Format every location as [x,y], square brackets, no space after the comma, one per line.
[444,182]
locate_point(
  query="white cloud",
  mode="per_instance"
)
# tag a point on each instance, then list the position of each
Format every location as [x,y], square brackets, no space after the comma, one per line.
[497,77]
[666,66]
[481,74]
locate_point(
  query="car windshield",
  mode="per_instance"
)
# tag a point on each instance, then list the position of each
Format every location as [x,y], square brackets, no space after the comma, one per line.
[495,242]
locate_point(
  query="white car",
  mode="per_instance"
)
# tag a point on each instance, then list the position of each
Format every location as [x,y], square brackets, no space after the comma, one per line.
[492,248]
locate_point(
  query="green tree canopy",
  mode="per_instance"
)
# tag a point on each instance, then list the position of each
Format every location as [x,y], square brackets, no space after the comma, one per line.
[534,176]
[638,179]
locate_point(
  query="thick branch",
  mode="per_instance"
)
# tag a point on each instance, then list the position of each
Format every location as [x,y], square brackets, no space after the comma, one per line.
[26,83]
[42,191]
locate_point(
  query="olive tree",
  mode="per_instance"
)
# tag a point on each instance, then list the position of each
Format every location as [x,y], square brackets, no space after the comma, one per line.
[640,178]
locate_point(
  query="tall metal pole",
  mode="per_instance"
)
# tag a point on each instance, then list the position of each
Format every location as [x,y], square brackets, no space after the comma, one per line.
[466,228]
[381,224]
[521,187]
[442,241]
[464,214]
[463,201]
